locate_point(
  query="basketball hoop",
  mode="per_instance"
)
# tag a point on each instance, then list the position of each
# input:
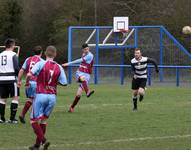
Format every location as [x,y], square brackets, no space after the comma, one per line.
[124,32]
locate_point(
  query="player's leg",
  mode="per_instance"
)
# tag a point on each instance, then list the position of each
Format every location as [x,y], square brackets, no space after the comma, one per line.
[135,93]
[135,87]
[2,110]
[25,109]
[39,135]
[46,114]
[30,94]
[43,125]
[76,99]
[141,90]
[36,114]
[14,93]
[84,79]
[4,94]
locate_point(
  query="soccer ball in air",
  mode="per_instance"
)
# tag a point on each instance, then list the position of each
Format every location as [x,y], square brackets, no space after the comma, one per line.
[186,30]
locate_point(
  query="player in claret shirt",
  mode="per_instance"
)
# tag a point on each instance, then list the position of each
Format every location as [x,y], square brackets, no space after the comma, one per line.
[31,90]
[49,74]
[82,74]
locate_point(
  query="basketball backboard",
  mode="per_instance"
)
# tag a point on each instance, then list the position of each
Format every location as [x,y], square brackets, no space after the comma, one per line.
[120,23]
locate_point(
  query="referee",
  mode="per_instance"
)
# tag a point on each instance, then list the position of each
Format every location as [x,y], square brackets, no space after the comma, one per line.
[9,68]
[139,68]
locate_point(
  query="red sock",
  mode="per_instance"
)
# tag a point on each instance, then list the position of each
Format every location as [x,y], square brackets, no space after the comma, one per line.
[43,127]
[85,86]
[26,107]
[75,102]
[39,133]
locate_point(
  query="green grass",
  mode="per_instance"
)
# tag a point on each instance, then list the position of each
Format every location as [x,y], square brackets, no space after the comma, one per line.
[106,121]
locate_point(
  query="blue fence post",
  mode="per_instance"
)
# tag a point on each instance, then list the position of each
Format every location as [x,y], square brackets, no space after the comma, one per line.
[161,55]
[136,37]
[116,38]
[122,67]
[177,77]
[149,75]
[70,30]
[96,78]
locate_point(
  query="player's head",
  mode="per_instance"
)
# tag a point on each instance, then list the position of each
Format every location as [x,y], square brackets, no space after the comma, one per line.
[10,44]
[38,50]
[137,53]
[85,48]
[51,51]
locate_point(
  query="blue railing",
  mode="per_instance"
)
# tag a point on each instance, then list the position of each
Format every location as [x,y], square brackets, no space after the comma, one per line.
[98,47]
[122,76]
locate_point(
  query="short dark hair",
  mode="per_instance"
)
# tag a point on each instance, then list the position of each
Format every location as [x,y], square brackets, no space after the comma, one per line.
[9,43]
[51,51]
[37,50]
[137,49]
[84,45]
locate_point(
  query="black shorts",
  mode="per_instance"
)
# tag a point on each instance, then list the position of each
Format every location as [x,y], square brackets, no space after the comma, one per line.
[9,90]
[139,83]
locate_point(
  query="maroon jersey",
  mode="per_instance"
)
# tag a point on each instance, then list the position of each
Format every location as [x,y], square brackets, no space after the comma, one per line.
[48,77]
[30,62]
[87,63]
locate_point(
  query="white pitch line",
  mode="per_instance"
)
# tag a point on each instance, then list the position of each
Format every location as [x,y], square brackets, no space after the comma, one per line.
[114,141]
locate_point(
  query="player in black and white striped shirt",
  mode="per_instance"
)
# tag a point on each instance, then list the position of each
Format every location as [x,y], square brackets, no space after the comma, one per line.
[9,68]
[139,68]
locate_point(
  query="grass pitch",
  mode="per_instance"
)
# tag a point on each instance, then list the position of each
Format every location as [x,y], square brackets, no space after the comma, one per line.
[106,121]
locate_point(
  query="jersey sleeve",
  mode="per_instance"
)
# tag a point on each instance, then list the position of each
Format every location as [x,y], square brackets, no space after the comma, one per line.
[88,58]
[132,67]
[75,61]
[62,78]
[150,60]
[16,64]
[24,66]
[37,68]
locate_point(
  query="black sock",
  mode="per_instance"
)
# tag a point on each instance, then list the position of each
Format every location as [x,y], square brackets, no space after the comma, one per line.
[141,98]
[135,102]
[13,110]
[2,111]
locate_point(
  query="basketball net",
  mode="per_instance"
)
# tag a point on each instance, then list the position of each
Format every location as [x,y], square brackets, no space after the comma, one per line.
[124,32]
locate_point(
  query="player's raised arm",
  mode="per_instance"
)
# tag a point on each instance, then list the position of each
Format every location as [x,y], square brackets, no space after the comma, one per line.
[77,61]
[152,61]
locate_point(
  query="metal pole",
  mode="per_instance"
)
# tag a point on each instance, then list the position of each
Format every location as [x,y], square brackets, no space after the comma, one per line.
[161,55]
[69,54]
[136,37]
[177,77]
[122,68]
[96,58]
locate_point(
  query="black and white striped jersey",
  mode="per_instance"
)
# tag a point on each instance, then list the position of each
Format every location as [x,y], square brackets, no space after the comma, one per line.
[9,67]
[139,67]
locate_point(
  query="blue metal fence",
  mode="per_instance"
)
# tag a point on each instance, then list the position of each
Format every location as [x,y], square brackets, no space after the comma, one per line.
[163,32]
[177,68]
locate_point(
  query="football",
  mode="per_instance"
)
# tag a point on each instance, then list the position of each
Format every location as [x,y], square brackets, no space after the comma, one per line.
[186,30]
